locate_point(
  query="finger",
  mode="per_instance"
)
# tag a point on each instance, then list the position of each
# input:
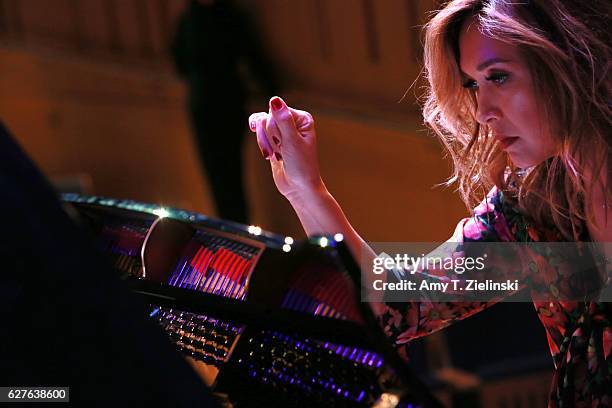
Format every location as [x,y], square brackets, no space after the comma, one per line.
[253,120]
[303,120]
[273,132]
[271,146]
[276,157]
[262,139]
[283,118]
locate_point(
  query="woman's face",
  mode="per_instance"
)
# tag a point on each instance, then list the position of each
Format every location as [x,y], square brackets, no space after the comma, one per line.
[505,95]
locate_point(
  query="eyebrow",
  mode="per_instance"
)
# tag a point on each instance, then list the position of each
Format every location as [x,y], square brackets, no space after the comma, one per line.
[489,62]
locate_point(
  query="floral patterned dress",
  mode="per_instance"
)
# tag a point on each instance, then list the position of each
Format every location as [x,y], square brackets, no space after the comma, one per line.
[579,332]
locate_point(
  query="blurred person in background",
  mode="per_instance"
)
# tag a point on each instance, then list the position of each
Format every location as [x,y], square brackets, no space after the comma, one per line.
[216,51]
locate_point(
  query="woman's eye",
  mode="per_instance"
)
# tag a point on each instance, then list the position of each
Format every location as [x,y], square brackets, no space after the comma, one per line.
[498,78]
[470,84]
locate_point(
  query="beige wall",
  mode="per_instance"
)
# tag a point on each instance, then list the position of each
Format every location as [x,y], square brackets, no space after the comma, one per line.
[124,127]
[83,98]
[127,129]
[366,50]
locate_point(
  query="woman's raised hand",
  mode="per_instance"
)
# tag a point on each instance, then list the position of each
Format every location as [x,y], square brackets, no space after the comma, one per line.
[286,137]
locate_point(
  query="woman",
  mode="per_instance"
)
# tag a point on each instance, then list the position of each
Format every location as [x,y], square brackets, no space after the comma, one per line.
[520,95]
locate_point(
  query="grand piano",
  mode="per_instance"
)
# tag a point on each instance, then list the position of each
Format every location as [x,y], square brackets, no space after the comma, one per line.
[262,318]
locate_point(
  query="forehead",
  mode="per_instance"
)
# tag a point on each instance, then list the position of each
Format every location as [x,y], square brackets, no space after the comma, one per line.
[476,48]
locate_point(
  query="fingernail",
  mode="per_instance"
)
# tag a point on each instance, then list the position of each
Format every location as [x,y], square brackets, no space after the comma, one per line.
[265,153]
[278,156]
[275,139]
[276,104]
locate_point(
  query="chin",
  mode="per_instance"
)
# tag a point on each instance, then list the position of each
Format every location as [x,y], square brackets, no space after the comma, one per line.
[523,162]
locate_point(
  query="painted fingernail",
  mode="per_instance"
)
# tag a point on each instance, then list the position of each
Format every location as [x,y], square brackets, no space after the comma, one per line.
[276,104]
[265,153]
[278,156]
[275,139]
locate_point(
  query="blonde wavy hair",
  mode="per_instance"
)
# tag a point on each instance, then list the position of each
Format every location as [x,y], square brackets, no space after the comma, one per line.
[567,45]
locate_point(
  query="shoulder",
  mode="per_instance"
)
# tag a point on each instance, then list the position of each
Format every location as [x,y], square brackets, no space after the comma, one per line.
[483,221]
[498,218]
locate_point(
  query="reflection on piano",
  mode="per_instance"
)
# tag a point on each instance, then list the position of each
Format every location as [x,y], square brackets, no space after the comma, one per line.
[263,320]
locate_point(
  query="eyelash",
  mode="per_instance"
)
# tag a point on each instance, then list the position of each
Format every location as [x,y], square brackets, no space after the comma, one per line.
[498,78]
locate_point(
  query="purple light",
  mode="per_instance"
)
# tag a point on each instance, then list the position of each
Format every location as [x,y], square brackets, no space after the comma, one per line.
[361,395]
[364,359]
[346,394]
[230,288]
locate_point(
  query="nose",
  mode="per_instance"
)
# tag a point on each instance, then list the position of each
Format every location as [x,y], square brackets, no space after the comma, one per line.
[487,110]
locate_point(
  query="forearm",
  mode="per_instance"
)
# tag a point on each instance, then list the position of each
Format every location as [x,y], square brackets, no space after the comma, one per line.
[320,213]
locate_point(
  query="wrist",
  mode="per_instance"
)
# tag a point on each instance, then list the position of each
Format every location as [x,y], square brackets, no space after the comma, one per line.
[308,193]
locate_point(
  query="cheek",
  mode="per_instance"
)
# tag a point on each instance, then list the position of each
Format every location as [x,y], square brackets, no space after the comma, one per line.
[526,115]
[522,110]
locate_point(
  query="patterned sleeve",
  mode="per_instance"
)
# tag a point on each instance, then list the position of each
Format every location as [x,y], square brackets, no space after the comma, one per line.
[405,321]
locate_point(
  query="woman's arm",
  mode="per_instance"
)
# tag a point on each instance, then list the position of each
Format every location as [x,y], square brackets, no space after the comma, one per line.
[320,213]
[287,139]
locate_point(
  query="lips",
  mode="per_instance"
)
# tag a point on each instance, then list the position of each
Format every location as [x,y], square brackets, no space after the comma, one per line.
[507,141]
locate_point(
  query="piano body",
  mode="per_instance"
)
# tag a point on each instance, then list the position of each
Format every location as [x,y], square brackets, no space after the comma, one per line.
[264,320]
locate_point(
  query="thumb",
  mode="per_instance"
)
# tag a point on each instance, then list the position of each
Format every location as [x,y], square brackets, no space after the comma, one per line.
[283,117]
[304,122]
